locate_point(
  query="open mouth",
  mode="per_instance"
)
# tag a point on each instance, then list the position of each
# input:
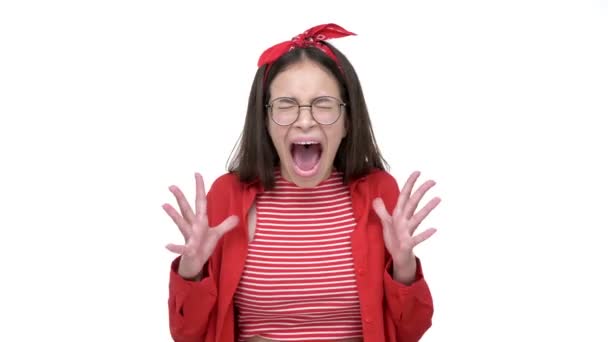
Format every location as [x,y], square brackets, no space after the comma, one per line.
[306,156]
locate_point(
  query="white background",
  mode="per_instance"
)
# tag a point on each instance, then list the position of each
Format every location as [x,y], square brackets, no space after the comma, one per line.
[104,104]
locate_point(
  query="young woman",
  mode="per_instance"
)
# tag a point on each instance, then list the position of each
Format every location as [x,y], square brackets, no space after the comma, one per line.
[307,237]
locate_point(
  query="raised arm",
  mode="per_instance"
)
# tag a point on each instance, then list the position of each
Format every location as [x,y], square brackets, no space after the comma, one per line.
[408,298]
[192,283]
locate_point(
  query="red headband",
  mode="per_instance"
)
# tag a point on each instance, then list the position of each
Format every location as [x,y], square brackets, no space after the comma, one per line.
[311,37]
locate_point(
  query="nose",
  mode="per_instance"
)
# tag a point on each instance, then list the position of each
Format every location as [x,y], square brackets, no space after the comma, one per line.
[305,119]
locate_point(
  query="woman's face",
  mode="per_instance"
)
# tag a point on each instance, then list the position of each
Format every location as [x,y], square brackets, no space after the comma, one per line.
[306,148]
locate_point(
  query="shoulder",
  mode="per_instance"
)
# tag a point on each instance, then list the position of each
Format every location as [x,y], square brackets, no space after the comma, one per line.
[384,186]
[225,188]
[376,183]
[225,182]
[229,185]
[381,179]
[223,197]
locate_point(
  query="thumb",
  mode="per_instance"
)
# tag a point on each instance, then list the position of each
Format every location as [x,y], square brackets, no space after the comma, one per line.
[380,210]
[227,225]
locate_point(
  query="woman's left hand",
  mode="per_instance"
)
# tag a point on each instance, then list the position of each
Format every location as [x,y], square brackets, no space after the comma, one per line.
[398,228]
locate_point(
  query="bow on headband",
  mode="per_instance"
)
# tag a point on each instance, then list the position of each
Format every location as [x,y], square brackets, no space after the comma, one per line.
[311,37]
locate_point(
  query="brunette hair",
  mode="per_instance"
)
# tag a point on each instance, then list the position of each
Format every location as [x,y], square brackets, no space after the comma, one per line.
[358,153]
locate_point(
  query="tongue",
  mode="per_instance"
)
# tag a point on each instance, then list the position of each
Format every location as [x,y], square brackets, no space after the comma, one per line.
[306,157]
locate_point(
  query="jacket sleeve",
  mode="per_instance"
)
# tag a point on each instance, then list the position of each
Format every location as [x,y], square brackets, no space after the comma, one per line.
[192,304]
[410,306]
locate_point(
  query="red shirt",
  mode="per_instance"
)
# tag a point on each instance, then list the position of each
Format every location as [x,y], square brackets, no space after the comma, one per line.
[299,282]
[390,311]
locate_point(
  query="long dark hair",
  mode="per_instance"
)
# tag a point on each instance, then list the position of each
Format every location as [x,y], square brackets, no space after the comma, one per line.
[358,153]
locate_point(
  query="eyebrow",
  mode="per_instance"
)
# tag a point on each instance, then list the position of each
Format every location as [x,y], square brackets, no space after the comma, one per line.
[311,100]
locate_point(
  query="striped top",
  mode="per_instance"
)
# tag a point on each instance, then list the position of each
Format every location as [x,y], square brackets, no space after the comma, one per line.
[299,281]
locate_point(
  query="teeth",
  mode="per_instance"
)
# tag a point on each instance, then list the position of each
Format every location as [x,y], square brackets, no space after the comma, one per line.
[305,142]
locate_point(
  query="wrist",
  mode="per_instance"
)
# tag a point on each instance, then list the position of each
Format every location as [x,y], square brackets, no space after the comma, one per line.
[404,269]
[190,276]
[189,272]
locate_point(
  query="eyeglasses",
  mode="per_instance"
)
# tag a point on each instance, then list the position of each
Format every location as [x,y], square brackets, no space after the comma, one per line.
[325,110]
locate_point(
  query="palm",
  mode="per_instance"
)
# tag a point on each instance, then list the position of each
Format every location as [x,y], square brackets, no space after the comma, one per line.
[399,228]
[199,239]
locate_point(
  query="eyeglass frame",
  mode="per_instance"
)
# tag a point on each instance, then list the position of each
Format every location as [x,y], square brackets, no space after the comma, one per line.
[341,106]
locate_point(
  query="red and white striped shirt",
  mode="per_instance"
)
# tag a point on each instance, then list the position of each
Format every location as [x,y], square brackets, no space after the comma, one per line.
[299,281]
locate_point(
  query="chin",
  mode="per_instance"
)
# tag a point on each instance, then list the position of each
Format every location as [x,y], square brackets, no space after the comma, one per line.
[307,178]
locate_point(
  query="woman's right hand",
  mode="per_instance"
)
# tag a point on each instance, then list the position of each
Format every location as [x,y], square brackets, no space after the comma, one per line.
[200,239]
